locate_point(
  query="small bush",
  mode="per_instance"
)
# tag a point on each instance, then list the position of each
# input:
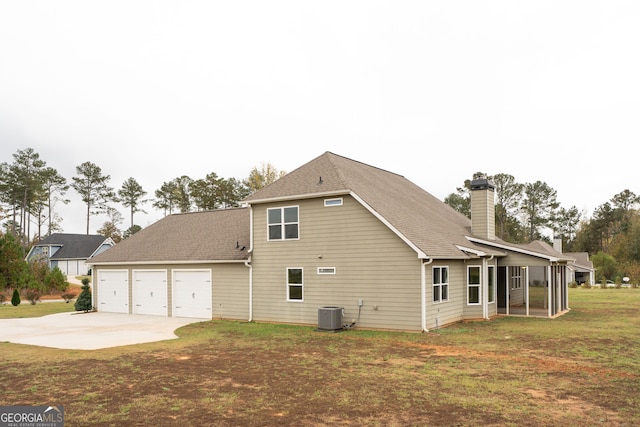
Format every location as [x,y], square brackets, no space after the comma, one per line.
[586,285]
[83,303]
[68,297]
[32,295]
[573,284]
[15,298]
[3,298]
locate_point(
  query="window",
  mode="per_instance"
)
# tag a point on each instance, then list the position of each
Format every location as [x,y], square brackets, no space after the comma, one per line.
[473,285]
[45,250]
[440,284]
[283,223]
[326,270]
[492,284]
[515,278]
[294,284]
[333,202]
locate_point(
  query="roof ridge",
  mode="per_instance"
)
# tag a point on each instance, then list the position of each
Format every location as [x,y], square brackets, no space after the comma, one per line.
[338,171]
[363,163]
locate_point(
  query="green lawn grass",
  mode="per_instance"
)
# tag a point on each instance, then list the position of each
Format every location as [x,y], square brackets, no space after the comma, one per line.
[8,311]
[581,369]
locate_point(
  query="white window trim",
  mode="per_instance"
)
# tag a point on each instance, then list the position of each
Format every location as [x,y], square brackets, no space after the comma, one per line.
[283,223]
[433,285]
[476,285]
[294,284]
[333,202]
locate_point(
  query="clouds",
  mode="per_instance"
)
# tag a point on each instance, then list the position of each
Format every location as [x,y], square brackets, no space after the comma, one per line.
[434,91]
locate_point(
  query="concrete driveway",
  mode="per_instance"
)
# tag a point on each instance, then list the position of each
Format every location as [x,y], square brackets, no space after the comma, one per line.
[90,331]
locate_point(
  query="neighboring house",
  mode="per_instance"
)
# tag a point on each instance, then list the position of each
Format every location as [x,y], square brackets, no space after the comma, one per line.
[581,270]
[70,252]
[335,234]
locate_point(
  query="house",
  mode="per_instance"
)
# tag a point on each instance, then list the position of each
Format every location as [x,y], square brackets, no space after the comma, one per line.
[335,234]
[581,270]
[69,252]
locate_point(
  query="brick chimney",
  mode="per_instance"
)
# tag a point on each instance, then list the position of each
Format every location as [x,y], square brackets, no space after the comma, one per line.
[483,211]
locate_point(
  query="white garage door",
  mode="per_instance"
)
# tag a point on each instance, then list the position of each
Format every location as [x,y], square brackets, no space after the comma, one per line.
[113,291]
[150,292]
[192,293]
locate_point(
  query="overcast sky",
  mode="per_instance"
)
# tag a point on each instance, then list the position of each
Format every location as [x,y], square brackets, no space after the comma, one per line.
[434,91]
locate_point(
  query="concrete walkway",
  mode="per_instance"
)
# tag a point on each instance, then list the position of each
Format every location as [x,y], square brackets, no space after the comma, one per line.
[90,331]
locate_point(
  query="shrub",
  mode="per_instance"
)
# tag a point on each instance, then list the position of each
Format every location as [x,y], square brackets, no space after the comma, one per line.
[587,285]
[3,298]
[32,295]
[68,297]
[56,280]
[573,284]
[83,303]
[15,298]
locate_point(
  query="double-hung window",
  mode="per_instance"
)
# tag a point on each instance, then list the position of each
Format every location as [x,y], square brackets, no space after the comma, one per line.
[473,285]
[440,284]
[283,223]
[294,284]
[491,286]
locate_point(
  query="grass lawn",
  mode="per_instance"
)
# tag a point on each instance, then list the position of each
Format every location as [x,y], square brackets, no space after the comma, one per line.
[581,369]
[8,311]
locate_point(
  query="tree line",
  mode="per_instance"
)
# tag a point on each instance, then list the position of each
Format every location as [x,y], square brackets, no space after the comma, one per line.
[30,191]
[530,211]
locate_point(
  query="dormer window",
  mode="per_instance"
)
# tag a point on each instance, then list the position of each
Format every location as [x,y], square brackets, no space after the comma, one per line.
[283,223]
[45,250]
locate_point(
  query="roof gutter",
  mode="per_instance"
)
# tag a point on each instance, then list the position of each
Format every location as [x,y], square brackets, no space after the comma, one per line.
[167,262]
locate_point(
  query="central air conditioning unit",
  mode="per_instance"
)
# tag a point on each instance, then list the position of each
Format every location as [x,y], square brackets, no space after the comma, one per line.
[330,318]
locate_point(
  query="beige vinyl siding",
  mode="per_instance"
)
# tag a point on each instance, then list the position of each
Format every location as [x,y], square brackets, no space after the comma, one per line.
[371,262]
[230,286]
[230,291]
[443,313]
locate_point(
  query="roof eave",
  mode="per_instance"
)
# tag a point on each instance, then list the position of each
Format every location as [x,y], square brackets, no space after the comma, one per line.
[514,249]
[183,262]
[298,197]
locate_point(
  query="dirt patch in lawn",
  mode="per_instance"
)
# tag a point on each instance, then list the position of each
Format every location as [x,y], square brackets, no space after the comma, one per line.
[235,374]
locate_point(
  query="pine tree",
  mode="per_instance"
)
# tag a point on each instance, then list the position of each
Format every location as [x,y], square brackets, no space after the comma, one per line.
[15,298]
[83,303]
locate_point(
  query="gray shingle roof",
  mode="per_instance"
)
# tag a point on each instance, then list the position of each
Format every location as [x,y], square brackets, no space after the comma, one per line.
[581,259]
[217,235]
[73,246]
[428,223]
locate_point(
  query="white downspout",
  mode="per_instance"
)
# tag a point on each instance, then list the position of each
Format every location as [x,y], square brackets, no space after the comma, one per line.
[526,289]
[423,293]
[247,263]
[550,279]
